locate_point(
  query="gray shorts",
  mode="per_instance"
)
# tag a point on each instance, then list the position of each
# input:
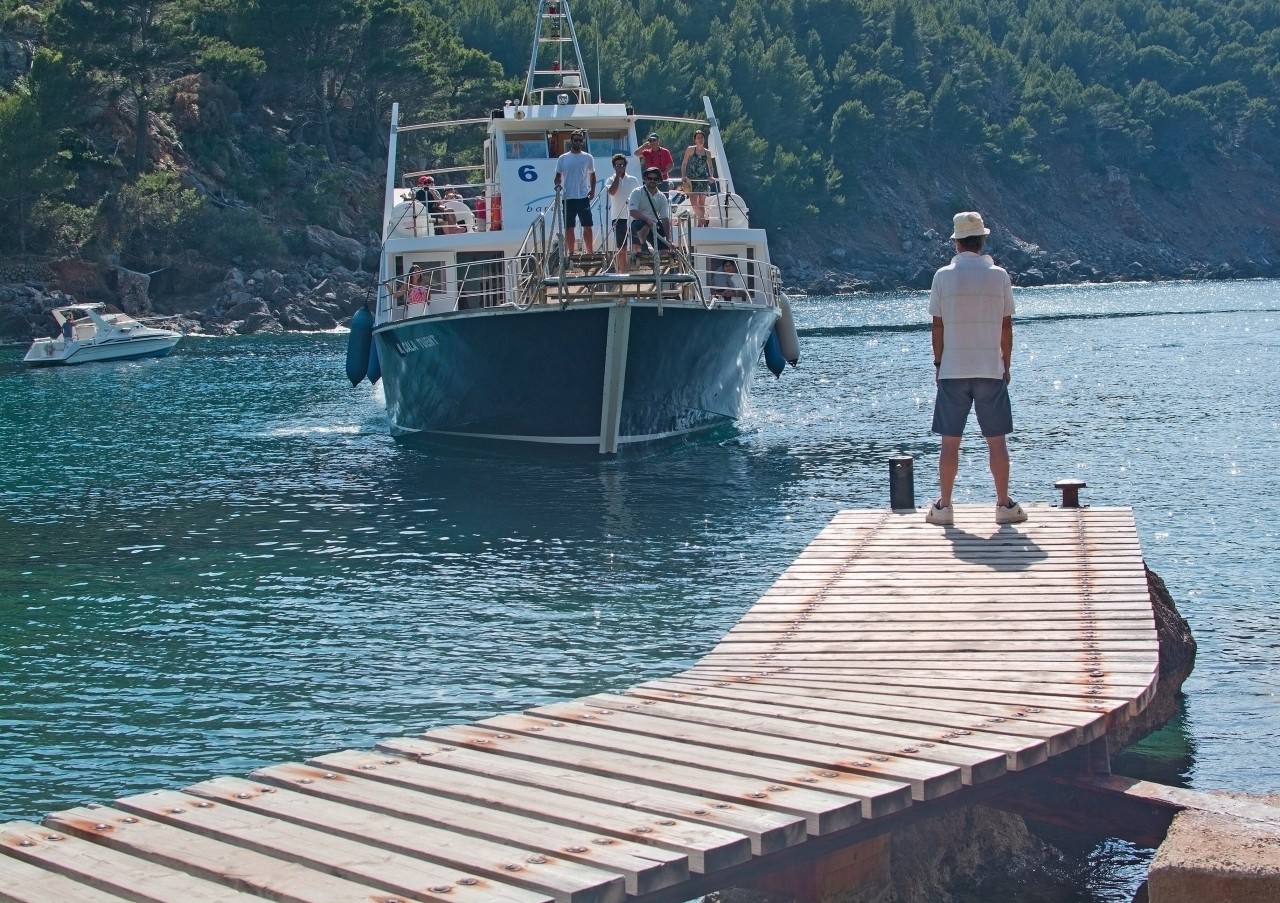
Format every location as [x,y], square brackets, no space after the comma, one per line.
[988,397]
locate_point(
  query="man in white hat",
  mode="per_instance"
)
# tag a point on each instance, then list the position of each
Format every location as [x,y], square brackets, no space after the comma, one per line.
[971,303]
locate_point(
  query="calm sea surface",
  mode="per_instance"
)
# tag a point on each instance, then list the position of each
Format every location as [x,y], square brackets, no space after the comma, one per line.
[220,559]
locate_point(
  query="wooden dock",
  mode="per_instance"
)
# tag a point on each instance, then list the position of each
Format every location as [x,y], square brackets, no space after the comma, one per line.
[895,669]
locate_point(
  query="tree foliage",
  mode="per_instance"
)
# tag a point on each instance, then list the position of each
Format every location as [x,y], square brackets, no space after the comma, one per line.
[812,94]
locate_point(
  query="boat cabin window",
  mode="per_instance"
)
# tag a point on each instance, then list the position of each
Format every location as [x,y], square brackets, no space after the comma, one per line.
[526,146]
[431,275]
[608,143]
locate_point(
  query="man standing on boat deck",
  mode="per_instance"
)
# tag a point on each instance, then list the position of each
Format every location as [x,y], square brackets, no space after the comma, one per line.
[576,173]
[619,187]
[652,153]
[971,303]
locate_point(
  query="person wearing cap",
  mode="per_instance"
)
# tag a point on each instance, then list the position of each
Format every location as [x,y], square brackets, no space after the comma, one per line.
[652,153]
[576,174]
[650,212]
[971,303]
[618,188]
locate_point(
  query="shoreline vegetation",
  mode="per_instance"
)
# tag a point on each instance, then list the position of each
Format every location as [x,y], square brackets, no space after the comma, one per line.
[191,141]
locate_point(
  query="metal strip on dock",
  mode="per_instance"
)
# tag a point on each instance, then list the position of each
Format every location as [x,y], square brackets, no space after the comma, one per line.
[893,664]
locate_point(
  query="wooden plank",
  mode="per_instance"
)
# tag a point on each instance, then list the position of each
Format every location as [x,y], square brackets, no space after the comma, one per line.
[1057,710]
[768,831]
[708,849]
[824,811]
[151,842]
[1008,731]
[100,868]
[22,882]
[975,764]
[205,809]
[877,797]
[877,771]
[646,869]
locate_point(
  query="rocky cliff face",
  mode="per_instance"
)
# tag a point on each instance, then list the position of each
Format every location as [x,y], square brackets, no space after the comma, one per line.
[1069,225]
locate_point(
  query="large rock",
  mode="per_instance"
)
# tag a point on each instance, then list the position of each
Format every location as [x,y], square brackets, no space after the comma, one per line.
[131,291]
[1210,856]
[322,241]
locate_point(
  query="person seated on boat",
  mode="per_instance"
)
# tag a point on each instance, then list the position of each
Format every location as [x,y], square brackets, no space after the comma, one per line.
[618,188]
[650,213]
[697,169]
[429,195]
[576,174]
[726,283]
[69,328]
[652,153]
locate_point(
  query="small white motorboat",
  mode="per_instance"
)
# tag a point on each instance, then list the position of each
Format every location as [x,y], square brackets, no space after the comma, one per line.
[96,332]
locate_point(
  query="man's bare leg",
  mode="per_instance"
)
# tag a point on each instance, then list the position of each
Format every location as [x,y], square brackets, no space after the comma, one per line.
[948,467]
[998,458]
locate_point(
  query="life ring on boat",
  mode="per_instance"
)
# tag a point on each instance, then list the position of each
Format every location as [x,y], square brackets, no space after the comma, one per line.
[495,214]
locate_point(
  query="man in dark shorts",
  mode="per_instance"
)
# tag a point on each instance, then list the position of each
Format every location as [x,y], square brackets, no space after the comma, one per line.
[576,173]
[971,303]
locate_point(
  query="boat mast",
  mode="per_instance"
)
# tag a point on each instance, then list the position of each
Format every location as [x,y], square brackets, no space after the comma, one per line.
[555,66]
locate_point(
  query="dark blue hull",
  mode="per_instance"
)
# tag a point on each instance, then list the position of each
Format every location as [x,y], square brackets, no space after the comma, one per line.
[548,375]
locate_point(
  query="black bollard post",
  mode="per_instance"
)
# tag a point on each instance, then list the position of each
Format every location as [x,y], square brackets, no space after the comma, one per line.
[902,485]
[1070,492]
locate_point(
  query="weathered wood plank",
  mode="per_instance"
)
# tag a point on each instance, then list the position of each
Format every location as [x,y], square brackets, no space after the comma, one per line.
[1005,730]
[768,831]
[645,868]
[150,844]
[824,811]
[224,810]
[707,849]
[1087,724]
[23,882]
[868,755]
[975,765]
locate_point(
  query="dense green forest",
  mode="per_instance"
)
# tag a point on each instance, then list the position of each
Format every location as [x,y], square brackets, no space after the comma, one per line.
[141,129]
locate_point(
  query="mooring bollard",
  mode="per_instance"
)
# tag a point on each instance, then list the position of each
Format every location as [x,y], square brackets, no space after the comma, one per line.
[1070,492]
[902,483]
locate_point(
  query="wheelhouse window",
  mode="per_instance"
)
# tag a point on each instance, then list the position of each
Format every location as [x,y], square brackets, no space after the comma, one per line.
[606,143]
[526,146]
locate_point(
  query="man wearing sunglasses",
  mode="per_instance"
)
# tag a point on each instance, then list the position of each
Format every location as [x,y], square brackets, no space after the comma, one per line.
[576,172]
[619,187]
[650,212]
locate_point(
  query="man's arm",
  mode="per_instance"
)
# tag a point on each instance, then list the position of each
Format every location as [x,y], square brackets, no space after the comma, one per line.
[937,343]
[1006,345]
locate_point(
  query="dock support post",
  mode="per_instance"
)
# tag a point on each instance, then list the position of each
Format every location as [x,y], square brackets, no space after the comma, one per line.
[902,488]
[855,874]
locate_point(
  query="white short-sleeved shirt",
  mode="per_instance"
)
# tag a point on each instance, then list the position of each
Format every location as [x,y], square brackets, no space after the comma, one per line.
[620,203]
[972,296]
[575,173]
[640,201]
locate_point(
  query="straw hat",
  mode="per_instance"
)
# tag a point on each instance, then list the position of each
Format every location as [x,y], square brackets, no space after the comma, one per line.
[968,225]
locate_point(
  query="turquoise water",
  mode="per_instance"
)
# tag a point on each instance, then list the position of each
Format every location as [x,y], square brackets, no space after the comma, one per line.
[220,559]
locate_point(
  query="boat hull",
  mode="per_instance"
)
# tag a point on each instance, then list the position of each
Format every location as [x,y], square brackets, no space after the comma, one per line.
[546,375]
[50,355]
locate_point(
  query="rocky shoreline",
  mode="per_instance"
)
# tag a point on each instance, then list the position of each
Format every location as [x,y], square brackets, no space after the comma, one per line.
[321,292]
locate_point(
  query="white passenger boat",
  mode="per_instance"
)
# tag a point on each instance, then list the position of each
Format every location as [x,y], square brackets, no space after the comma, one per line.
[95,332]
[487,329]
